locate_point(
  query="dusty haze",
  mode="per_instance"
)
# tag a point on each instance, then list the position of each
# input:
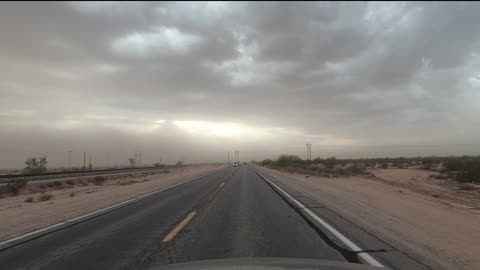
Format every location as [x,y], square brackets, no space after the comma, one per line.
[197,80]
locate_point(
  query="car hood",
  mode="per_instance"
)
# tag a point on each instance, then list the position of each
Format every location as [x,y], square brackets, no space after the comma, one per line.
[265,264]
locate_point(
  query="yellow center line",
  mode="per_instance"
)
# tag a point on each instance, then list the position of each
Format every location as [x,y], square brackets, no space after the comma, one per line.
[184,222]
[216,191]
[179,227]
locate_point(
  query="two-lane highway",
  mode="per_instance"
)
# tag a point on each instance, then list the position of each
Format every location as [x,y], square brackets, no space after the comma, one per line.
[246,219]
[229,214]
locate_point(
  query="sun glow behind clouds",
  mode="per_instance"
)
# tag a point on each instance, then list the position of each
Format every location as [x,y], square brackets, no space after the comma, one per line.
[162,41]
[216,129]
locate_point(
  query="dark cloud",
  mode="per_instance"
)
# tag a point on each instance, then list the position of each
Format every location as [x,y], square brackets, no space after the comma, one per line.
[340,73]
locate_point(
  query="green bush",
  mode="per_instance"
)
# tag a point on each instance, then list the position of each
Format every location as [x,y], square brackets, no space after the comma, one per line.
[464,169]
[13,187]
[330,162]
[99,180]
[36,165]
[285,160]
[356,169]
[455,164]
[267,162]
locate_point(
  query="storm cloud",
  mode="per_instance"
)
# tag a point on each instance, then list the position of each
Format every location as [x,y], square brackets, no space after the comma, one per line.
[199,79]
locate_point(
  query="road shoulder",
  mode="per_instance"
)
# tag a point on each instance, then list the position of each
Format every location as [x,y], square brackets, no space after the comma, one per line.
[413,225]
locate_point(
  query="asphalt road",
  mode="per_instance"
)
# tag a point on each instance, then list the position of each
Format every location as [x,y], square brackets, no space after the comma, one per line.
[229,214]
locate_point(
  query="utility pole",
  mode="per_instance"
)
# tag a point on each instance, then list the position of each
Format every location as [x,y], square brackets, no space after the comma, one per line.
[140,161]
[228,158]
[69,159]
[135,163]
[84,155]
[309,151]
[90,164]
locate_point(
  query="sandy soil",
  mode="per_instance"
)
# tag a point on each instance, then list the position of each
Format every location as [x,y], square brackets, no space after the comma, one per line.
[432,229]
[426,183]
[18,216]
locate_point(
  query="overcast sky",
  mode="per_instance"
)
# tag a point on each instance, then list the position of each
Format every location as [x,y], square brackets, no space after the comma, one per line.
[201,79]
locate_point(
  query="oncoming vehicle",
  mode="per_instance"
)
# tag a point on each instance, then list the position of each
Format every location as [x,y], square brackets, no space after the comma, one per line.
[236,164]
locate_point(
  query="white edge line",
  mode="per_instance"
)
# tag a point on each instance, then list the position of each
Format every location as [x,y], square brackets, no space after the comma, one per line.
[365,256]
[99,210]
